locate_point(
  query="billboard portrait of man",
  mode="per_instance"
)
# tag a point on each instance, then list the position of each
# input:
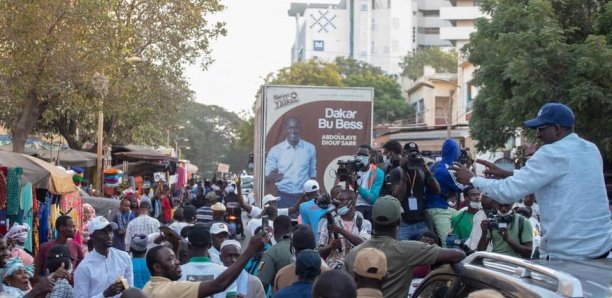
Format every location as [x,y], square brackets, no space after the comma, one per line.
[290,163]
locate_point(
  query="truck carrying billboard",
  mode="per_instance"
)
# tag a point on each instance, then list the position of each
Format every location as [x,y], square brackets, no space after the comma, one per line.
[301,132]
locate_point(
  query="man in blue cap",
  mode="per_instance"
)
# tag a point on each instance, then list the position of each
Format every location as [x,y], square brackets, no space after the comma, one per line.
[566,176]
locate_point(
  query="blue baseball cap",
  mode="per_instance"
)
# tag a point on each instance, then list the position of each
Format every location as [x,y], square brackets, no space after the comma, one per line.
[553,113]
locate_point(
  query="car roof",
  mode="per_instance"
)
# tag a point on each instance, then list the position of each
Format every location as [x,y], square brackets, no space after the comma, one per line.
[594,275]
[535,278]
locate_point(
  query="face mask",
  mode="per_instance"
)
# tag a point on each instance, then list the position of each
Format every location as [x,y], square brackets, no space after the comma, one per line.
[475,205]
[505,214]
[452,203]
[344,210]
[364,160]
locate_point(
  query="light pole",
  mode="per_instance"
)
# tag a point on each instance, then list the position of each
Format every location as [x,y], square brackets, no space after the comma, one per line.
[100,84]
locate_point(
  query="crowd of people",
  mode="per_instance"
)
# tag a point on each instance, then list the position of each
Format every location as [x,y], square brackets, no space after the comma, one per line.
[390,220]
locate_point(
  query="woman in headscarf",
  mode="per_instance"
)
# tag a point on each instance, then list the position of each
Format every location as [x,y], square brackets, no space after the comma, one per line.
[88,213]
[16,238]
[16,277]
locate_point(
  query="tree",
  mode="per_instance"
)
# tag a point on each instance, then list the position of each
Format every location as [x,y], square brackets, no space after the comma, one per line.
[533,52]
[389,104]
[212,137]
[346,72]
[413,63]
[311,73]
[49,51]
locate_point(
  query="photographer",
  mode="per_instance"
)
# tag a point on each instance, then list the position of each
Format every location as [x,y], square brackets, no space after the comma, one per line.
[510,233]
[346,230]
[368,181]
[392,155]
[411,180]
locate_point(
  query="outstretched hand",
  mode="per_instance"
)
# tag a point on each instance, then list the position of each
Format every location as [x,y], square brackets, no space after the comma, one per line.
[462,173]
[493,170]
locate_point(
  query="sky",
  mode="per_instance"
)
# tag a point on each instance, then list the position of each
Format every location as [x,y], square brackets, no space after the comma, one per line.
[258,41]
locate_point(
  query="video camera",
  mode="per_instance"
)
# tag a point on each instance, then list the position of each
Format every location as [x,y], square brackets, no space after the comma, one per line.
[323,201]
[348,167]
[415,160]
[498,222]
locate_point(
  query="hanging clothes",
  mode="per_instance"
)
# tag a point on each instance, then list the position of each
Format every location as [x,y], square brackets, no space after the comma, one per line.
[27,205]
[44,219]
[3,186]
[35,222]
[13,191]
[70,204]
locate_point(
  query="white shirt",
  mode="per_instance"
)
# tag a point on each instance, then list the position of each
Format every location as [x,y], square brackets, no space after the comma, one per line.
[202,269]
[363,179]
[97,272]
[143,224]
[256,211]
[476,233]
[567,180]
[215,255]
[297,164]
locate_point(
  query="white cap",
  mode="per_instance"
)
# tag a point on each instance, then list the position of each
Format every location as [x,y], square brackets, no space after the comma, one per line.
[218,228]
[231,242]
[218,207]
[311,185]
[269,198]
[100,223]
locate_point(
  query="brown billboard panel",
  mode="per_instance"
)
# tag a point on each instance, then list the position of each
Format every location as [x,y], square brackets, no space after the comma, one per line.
[307,130]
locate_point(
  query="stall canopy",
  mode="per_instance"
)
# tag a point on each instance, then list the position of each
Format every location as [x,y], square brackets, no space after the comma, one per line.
[69,157]
[144,156]
[41,173]
[140,168]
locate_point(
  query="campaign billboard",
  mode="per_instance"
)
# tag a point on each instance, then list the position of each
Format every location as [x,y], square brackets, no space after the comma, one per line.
[304,131]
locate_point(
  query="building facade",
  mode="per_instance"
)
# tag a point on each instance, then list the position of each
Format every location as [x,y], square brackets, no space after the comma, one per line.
[379,32]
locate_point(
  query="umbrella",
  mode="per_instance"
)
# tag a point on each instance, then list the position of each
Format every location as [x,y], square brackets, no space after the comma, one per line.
[41,173]
[70,157]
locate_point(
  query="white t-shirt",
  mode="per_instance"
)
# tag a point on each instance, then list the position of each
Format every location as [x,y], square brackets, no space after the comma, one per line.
[363,178]
[476,233]
[202,269]
[256,211]
[215,255]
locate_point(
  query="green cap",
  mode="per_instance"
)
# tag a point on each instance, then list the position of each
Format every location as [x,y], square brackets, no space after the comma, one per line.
[386,210]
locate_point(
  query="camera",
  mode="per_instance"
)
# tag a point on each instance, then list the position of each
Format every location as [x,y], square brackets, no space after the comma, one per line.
[323,201]
[465,156]
[498,222]
[347,167]
[415,160]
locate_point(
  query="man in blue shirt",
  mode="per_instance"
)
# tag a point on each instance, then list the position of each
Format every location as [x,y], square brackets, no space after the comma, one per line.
[436,203]
[290,163]
[309,211]
[566,176]
[307,268]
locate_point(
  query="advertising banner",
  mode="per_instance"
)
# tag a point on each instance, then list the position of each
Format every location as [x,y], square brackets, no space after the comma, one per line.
[306,131]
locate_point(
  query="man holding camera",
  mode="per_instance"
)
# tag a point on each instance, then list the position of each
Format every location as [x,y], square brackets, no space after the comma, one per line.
[340,232]
[411,180]
[392,156]
[369,181]
[509,233]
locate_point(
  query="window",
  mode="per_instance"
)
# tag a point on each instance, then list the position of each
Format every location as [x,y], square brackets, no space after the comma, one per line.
[435,288]
[470,93]
[432,30]
[442,104]
[395,46]
[395,23]
[419,107]
[413,34]
[431,13]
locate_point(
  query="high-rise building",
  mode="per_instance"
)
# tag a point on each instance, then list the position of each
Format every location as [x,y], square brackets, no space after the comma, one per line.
[379,32]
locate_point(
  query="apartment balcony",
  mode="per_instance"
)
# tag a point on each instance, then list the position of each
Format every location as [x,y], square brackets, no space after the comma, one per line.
[460,13]
[456,33]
